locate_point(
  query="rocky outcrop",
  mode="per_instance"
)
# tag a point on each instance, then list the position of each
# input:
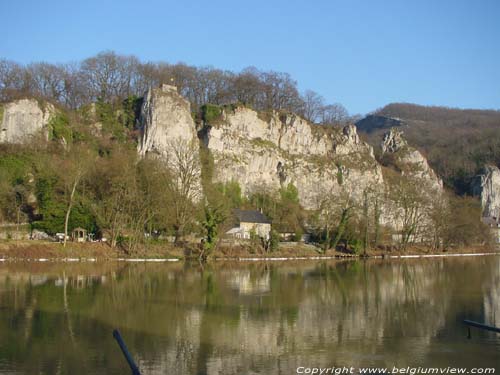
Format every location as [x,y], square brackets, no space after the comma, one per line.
[487,187]
[268,153]
[165,121]
[409,160]
[393,141]
[168,132]
[24,119]
[373,123]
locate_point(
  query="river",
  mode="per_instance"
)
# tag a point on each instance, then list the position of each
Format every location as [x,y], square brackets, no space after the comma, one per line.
[248,317]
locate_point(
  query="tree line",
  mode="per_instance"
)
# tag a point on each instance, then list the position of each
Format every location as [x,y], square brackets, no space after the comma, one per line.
[110,77]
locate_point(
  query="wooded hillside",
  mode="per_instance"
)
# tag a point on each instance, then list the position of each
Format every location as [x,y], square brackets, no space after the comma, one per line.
[457,143]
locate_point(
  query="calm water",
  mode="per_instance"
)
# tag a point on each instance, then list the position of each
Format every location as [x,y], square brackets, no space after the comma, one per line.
[258,318]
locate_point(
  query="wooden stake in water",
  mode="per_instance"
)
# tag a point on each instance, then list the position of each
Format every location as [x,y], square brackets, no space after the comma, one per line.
[126,353]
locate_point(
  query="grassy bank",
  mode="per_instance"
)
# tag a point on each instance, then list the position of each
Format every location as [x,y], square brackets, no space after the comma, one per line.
[31,250]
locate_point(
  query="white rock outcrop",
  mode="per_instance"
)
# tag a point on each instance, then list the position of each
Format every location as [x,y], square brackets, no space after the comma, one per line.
[487,186]
[24,119]
[284,148]
[168,132]
[269,151]
[165,121]
[410,161]
[393,141]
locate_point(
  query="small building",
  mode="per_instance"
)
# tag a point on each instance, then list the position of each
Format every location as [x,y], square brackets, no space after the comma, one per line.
[287,235]
[79,235]
[248,222]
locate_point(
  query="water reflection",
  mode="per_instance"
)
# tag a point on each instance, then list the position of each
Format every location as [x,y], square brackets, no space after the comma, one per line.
[247,318]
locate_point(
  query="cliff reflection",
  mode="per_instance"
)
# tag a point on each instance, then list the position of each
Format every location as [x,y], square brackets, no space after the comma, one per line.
[246,318]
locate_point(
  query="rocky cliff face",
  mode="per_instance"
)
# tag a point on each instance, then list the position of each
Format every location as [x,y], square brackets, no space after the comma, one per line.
[168,132]
[165,121]
[268,153]
[487,187]
[262,151]
[409,160]
[24,119]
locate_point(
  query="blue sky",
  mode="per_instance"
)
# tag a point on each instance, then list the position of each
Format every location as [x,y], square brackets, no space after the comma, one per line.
[363,54]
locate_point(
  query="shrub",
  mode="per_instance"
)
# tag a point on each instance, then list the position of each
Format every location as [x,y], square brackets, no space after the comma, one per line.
[107,116]
[356,245]
[297,237]
[232,192]
[340,175]
[14,167]
[131,109]
[274,240]
[210,113]
[59,128]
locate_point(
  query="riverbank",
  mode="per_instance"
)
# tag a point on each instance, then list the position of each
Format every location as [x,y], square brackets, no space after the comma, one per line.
[44,250]
[29,249]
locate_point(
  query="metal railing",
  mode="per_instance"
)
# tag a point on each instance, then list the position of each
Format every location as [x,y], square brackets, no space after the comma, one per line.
[470,323]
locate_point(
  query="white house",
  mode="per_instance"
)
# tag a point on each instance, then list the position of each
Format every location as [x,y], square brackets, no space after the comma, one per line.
[248,221]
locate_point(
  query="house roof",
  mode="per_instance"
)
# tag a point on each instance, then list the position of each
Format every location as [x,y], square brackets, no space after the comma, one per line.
[251,216]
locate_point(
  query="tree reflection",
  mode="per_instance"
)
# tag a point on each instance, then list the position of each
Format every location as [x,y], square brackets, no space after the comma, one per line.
[236,318]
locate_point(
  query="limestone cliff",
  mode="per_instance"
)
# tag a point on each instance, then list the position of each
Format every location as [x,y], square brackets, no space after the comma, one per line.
[263,151]
[487,187]
[168,132]
[267,151]
[409,160]
[165,121]
[24,119]
[272,152]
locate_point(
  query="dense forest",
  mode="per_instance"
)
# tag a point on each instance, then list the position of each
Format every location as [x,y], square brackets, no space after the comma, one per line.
[457,143]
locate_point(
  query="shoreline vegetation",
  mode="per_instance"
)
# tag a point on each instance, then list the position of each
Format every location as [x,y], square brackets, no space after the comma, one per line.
[29,250]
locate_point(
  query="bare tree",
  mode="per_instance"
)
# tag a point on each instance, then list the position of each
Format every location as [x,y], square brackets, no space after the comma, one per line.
[73,168]
[182,183]
[247,87]
[334,114]
[313,105]
[15,80]
[335,210]
[409,202]
[114,195]
[109,76]
[48,79]
[280,92]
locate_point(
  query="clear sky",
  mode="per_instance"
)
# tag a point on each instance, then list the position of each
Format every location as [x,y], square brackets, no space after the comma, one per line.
[363,54]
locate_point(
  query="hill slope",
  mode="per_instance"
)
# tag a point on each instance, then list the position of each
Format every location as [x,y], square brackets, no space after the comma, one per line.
[458,143]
